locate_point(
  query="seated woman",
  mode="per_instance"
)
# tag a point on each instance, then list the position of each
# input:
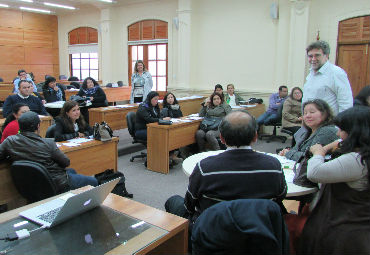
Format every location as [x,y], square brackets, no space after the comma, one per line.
[10,126]
[171,107]
[148,112]
[71,124]
[316,118]
[363,97]
[339,223]
[292,111]
[53,92]
[91,90]
[216,107]
[232,98]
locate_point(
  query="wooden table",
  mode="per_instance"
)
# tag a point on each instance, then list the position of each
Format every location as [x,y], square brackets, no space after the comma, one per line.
[164,138]
[45,123]
[117,94]
[89,158]
[174,242]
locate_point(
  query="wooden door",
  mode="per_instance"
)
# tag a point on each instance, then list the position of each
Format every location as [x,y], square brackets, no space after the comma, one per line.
[354,59]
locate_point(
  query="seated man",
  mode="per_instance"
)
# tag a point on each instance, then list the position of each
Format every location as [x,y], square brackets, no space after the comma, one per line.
[276,99]
[28,145]
[22,75]
[24,96]
[237,173]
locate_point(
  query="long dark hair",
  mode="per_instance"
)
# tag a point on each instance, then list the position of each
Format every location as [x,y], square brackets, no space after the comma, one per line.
[355,122]
[48,80]
[84,84]
[212,96]
[11,117]
[149,98]
[362,96]
[165,104]
[68,105]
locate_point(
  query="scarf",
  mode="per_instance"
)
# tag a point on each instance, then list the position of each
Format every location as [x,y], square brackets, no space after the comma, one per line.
[90,91]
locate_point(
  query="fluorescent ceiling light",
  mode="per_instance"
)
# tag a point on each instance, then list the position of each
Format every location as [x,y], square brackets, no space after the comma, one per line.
[28,1]
[107,1]
[60,6]
[4,5]
[34,9]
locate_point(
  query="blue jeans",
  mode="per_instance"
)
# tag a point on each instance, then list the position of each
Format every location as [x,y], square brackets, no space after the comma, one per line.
[267,118]
[78,180]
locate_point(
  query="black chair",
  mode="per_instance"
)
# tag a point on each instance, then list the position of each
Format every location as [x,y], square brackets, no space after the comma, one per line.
[71,87]
[50,132]
[131,119]
[32,180]
[275,124]
[109,85]
[120,83]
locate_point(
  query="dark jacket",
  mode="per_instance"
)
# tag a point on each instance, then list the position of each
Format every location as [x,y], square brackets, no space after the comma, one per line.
[51,96]
[100,99]
[30,146]
[33,102]
[145,115]
[168,111]
[62,133]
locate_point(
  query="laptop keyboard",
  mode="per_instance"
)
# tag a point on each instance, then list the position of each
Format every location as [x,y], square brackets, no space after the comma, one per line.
[50,215]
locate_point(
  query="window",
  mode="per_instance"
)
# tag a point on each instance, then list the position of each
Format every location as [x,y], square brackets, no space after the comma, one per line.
[84,65]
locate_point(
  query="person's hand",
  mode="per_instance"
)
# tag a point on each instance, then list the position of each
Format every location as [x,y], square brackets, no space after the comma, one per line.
[167,118]
[331,146]
[283,152]
[91,98]
[300,118]
[56,88]
[318,149]
[208,100]
[81,134]
[43,101]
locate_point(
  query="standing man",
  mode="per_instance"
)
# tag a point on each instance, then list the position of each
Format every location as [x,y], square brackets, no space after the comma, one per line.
[326,80]
[22,75]
[276,99]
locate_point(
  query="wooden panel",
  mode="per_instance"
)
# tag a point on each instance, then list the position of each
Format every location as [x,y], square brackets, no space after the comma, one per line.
[160,29]
[134,32]
[11,55]
[39,56]
[92,35]
[9,72]
[73,37]
[56,71]
[82,35]
[117,94]
[354,30]
[10,18]
[11,36]
[38,39]
[147,30]
[40,71]
[5,91]
[366,28]
[40,22]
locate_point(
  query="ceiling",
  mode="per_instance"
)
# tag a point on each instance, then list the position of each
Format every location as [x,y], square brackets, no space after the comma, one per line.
[78,4]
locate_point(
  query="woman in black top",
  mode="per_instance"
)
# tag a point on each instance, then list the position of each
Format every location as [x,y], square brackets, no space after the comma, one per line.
[363,97]
[71,124]
[53,92]
[148,112]
[171,107]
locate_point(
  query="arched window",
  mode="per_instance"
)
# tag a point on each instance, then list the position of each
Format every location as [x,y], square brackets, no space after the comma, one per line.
[83,52]
[148,41]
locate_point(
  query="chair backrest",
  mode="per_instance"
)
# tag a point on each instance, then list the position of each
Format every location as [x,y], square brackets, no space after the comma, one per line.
[71,87]
[32,180]
[63,77]
[280,111]
[120,83]
[75,84]
[50,132]
[243,226]
[109,85]
[131,119]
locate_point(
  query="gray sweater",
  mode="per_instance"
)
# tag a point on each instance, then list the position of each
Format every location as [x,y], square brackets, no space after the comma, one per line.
[219,111]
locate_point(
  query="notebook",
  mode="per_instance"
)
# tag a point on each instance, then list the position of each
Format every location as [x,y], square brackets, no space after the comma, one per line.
[65,207]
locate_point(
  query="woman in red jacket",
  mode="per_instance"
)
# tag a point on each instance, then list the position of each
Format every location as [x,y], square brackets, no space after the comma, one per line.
[11,126]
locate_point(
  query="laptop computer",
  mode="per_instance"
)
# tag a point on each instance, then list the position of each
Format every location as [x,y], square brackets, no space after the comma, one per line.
[65,207]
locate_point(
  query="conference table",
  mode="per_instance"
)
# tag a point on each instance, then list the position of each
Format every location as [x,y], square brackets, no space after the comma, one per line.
[161,139]
[122,226]
[88,158]
[293,189]
[113,94]
[46,122]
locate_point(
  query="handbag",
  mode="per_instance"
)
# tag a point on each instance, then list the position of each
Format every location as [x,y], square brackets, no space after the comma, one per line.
[210,123]
[300,172]
[120,188]
[102,132]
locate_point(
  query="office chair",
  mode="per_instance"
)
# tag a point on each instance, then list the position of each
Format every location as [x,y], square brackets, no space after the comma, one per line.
[120,83]
[62,77]
[243,226]
[275,124]
[109,85]
[50,132]
[32,180]
[131,119]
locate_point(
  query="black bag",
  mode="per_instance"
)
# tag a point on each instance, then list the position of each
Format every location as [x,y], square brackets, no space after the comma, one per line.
[300,172]
[210,123]
[102,132]
[254,100]
[164,122]
[82,101]
[120,188]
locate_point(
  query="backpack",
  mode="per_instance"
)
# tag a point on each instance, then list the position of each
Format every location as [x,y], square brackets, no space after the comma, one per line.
[120,188]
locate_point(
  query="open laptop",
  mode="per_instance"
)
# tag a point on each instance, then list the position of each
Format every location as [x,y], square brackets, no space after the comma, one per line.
[65,207]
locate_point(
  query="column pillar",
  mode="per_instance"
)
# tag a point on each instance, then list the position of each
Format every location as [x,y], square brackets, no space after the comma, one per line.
[105,56]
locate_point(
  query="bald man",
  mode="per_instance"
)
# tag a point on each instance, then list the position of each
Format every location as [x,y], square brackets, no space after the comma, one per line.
[237,173]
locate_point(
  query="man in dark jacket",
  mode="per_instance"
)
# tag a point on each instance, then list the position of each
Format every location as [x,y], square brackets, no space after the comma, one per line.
[28,145]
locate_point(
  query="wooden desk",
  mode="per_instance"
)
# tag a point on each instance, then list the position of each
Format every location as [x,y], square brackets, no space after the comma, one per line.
[191,105]
[45,123]
[117,94]
[256,111]
[70,93]
[89,158]
[5,90]
[174,242]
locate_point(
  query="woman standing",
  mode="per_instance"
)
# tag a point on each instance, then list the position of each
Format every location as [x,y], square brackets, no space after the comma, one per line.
[231,98]
[213,108]
[339,223]
[10,126]
[71,124]
[141,82]
[171,107]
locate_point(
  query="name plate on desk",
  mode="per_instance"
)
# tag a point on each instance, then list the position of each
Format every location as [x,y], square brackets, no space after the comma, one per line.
[98,231]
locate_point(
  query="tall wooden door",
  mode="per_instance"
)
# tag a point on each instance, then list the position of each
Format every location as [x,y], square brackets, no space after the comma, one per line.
[355,60]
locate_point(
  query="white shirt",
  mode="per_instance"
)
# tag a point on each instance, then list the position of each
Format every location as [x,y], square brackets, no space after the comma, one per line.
[330,83]
[232,100]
